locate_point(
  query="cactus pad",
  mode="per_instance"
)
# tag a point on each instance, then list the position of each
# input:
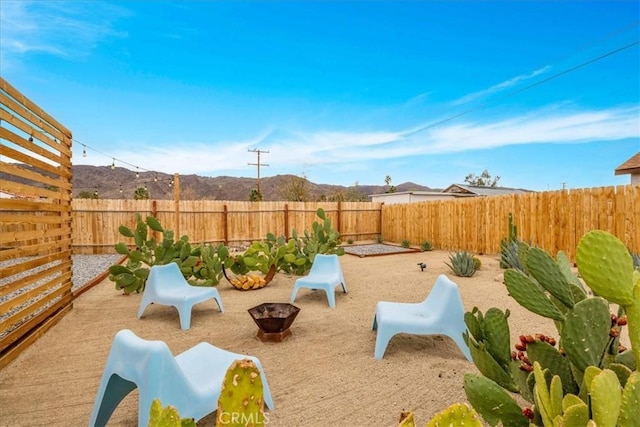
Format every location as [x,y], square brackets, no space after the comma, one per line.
[530,295]
[456,415]
[549,274]
[241,399]
[485,396]
[167,417]
[496,331]
[606,265]
[630,406]
[586,332]
[606,398]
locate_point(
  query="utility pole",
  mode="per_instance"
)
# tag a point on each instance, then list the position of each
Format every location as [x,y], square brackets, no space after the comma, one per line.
[258,152]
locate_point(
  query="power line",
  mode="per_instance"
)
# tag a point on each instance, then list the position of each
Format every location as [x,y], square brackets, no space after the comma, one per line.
[529,86]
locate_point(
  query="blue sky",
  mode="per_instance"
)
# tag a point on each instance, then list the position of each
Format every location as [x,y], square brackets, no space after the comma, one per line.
[540,93]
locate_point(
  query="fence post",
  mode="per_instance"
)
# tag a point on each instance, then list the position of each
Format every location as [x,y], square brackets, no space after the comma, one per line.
[286,221]
[224,225]
[338,222]
[176,202]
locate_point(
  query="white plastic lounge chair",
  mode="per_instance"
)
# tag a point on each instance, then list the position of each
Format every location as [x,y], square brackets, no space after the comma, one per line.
[325,274]
[441,313]
[190,381]
[167,286]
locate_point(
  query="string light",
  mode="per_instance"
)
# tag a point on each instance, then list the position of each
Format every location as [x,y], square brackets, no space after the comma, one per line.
[113,166]
[31,138]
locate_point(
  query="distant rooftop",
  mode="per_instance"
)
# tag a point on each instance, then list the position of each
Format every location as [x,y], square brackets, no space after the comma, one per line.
[630,166]
[483,191]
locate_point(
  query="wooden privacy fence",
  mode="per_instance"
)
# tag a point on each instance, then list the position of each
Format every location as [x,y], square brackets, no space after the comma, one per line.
[552,220]
[35,221]
[233,223]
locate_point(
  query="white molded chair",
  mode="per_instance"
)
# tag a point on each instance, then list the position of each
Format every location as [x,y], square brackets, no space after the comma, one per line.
[167,286]
[325,274]
[441,313]
[190,381]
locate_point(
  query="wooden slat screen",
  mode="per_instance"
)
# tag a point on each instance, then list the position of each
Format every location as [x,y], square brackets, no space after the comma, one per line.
[35,220]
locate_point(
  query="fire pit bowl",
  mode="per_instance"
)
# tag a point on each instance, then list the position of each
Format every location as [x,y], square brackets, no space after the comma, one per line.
[274,320]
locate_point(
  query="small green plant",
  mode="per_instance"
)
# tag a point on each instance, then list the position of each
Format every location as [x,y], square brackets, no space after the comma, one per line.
[167,416]
[510,256]
[426,246]
[462,264]
[405,243]
[379,239]
[268,257]
[323,239]
[477,261]
[350,241]
[456,415]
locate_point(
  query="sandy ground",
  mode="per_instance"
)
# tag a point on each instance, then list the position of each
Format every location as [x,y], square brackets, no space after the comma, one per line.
[323,375]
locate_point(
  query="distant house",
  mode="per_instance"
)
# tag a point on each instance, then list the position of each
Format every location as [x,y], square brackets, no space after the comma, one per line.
[451,192]
[483,191]
[632,167]
[412,197]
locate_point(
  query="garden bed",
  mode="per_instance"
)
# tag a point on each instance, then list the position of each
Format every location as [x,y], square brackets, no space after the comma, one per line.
[376,249]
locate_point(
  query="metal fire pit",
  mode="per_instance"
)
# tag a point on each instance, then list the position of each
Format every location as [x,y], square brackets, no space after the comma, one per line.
[274,320]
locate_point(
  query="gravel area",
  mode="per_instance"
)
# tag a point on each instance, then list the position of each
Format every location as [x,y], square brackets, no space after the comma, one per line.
[85,269]
[375,249]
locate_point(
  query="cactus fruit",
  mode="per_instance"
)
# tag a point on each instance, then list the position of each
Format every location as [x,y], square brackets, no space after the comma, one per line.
[462,264]
[582,377]
[167,417]
[241,400]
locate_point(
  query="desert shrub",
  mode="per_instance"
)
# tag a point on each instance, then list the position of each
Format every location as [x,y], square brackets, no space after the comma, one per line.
[405,243]
[350,241]
[379,239]
[426,246]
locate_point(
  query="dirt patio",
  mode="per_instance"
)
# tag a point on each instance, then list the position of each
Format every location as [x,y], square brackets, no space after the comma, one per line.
[324,374]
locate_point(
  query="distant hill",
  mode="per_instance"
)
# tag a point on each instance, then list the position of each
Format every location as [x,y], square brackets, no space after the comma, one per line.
[108,183]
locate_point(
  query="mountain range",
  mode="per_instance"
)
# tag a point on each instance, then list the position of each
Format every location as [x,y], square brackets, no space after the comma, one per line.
[119,183]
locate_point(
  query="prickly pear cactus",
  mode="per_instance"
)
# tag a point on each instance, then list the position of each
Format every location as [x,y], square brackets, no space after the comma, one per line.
[583,375]
[201,266]
[241,400]
[167,417]
[456,415]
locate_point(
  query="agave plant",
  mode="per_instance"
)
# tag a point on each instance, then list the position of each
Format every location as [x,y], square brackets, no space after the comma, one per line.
[462,264]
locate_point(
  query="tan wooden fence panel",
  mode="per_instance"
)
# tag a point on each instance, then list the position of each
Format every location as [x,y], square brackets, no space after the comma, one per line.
[234,223]
[552,220]
[35,221]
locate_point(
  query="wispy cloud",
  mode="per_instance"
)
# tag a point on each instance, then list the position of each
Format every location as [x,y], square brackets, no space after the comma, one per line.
[289,150]
[64,29]
[500,86]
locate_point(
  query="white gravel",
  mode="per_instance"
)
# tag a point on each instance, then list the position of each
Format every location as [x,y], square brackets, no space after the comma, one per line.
[85,268]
